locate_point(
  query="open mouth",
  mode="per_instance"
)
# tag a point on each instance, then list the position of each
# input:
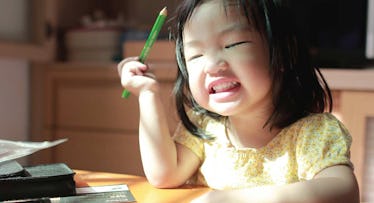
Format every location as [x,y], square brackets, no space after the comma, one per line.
[223,87]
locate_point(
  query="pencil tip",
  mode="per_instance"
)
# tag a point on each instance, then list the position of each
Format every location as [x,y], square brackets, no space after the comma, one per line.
[164,11]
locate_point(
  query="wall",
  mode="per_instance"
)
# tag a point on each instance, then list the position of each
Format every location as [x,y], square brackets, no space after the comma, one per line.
[14,74]
[14,99]
[13,20]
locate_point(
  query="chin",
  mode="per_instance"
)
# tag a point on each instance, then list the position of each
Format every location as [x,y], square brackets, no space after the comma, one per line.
[225,109]
[223,112]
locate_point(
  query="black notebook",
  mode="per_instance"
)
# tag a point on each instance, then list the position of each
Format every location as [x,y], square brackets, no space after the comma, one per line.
[50,180]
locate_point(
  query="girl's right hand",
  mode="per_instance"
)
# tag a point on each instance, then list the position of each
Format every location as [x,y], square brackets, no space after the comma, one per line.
[135,76]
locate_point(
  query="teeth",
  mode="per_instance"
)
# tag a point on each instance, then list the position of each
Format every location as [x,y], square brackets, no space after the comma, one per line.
[224,86]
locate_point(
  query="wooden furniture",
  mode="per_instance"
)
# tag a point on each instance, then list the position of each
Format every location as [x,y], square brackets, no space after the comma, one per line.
[139,187]
[83,103]
[354,98]
[41,42]
[357,110]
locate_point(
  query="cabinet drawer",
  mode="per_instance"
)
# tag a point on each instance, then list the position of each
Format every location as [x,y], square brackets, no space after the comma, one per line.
[94,104]
[84,104]
[90,99]
[100,151]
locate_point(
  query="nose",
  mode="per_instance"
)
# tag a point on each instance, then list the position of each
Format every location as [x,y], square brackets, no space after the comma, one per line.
[215,64]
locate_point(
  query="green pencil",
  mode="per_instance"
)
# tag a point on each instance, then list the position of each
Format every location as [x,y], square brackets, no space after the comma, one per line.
[150,41]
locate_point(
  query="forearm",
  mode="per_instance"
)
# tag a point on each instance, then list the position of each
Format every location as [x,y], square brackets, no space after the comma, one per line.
[292,193]
[338,187]
[158,150]
[320,190]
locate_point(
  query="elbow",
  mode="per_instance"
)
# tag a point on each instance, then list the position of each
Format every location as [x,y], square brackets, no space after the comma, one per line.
[164,180]
[161,184]
[355,192]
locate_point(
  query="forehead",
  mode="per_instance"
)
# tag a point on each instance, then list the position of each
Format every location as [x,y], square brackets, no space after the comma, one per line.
[231,9]
[217,13]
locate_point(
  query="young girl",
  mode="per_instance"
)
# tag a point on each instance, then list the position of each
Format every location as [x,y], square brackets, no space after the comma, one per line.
[251,108]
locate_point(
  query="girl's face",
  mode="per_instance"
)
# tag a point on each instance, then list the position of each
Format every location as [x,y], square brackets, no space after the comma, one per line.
[227,61]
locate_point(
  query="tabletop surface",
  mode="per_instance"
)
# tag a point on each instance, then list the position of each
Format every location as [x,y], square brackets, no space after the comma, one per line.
[139,187]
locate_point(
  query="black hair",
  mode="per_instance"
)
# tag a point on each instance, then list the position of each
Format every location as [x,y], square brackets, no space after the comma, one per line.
[298,89]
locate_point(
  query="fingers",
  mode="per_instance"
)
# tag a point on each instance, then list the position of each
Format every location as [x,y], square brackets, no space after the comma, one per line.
[151,75]
[123,62]
[130,67]
[134,74]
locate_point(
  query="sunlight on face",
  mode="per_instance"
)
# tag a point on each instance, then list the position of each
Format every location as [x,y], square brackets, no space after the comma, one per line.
[227,60]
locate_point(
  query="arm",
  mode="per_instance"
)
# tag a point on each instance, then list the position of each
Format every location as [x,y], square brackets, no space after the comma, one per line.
[165,163]
[333,184]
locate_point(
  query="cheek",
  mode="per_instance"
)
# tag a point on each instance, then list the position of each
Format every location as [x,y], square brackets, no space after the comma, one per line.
[257,64]
[197,87]
[255,74]
[258,76]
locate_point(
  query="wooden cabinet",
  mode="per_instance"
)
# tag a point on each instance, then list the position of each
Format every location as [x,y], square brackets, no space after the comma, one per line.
[82,102]
[354,98]
[357,109]
[40,42]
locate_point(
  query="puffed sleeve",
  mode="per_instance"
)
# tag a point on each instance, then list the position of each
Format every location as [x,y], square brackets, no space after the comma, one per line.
[323,141]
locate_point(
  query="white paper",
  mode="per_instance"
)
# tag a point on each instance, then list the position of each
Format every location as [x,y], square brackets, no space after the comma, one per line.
[10,150]
[104,188]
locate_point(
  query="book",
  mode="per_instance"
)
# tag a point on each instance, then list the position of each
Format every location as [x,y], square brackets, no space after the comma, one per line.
[103,188]
[91,194]
[116,196]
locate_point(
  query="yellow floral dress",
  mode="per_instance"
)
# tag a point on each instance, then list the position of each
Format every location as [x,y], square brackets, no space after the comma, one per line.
[297,153]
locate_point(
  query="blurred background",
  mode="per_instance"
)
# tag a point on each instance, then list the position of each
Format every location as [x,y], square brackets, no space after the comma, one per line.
[40,32]
[58,76]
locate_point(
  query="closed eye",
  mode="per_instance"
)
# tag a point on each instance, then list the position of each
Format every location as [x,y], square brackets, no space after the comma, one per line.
[194,57]
[236,44]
